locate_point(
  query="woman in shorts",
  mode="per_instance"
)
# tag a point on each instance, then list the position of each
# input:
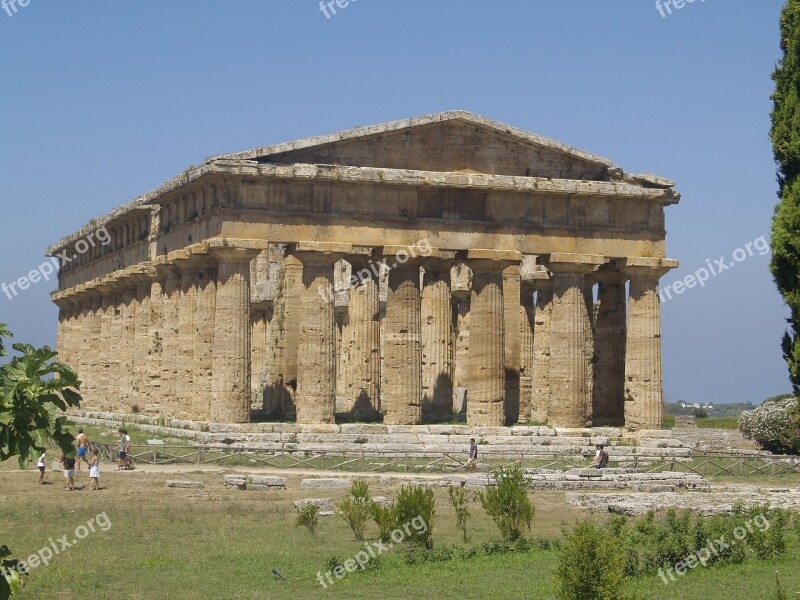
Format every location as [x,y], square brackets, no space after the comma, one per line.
[69,472]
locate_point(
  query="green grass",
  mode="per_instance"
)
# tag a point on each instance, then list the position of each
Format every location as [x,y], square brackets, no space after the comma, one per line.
[222,543]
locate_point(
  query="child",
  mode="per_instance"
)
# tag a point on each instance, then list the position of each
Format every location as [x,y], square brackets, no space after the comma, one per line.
[41,464]
[94,470]
[69,471]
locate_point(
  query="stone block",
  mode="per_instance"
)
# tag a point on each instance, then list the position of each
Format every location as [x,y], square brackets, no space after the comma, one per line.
[184,484]
[326,483]
[269,481]
[237,481]
[326,508]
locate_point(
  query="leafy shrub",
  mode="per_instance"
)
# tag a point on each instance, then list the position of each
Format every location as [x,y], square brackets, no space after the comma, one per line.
[590,566]
[356,508]
[308,518]
[459,500]
[385,518]
[775,426]
[414,503]
[508,504]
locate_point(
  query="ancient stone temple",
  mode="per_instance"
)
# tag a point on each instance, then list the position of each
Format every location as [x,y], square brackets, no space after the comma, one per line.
[443,267]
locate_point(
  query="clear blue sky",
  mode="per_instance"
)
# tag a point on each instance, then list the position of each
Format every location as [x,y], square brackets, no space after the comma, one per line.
[102,101]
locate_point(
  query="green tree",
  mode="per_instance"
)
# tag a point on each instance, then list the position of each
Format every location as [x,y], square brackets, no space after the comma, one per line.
[508,504]
[785,134]
[33,388]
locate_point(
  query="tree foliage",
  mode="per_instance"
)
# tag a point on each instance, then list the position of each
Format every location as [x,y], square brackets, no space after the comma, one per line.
[33,388]
[785,134]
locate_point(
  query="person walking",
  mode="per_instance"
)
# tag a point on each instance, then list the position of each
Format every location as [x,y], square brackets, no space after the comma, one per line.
[124,448]
[472,461]
[94,471]
[41,463]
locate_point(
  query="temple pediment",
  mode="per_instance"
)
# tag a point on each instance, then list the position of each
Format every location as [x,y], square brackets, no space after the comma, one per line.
[454,141]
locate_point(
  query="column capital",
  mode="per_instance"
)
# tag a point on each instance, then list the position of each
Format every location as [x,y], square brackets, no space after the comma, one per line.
[647,268]
[233,254]
[559,262]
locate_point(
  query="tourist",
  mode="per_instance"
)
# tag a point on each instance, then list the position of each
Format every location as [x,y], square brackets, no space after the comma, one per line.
[600,457]
[81,443]
[69,471]
[124,448]
[94,471]
[472,462]
[41,464]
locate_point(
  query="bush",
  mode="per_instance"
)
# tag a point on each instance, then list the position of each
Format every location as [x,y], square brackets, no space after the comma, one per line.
[775,426]
[415,503]
[308,518]
[508,504]
[591,566]
[459,500]
[356,508]
[385,518]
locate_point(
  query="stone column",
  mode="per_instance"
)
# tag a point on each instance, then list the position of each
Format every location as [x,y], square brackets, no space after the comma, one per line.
[184,372]
[486,359]
[107,351]
[140,385]
[169,337]
[402,353]
[90,357]
[316,359]
[570,402]
[155,344]
[512,328]
[204,319]
[540,384]
[292,291]
[362,380]
[643,377]
[231,351]
[437,340]
[527,349]
[127,358]
[609,373]
[460,292]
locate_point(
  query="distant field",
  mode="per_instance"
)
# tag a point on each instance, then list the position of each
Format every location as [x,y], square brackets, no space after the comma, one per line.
[718,422]
[182,544]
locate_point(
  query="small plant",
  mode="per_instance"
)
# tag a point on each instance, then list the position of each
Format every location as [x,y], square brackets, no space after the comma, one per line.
[415,503]
[591,567]
[308,517]
[508,504]
[459,500]
[356,508]
[780,593]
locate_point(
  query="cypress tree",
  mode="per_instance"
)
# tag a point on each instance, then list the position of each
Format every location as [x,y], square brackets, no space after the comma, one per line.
[785,135]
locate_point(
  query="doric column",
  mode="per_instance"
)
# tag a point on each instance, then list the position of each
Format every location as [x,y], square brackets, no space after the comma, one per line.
[543,312]
[402,357]
[127,358]
[437,340]
[90,357]
[460,292]
[316,359]
[363,350]
[140,385]
[292,291]
[643,377]
[512,327]
[570,402]
[169,337]
[155,343]
[204,319]
[106,350]
[527,349]
[609,372]
[231,351]
[187,306]
[486,359]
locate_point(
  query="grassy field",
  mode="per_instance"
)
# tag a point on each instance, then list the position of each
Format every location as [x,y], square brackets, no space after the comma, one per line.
[223,543]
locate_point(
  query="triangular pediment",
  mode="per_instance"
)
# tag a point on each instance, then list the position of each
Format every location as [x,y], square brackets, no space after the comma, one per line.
[454,141]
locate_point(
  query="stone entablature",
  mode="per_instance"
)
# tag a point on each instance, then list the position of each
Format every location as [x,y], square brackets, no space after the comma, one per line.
[211,299]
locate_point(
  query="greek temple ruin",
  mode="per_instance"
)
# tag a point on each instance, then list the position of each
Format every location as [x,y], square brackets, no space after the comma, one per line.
[447,267]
